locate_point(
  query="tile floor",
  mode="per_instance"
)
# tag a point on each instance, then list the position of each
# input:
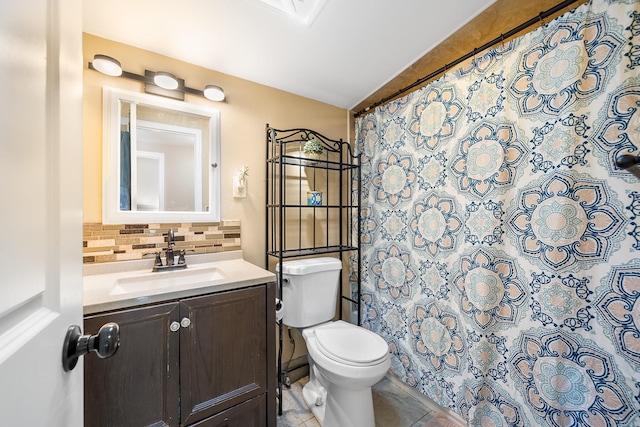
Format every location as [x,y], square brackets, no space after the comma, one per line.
[395,405]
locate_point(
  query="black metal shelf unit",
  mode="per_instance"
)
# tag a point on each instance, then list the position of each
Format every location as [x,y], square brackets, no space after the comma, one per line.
[299,227]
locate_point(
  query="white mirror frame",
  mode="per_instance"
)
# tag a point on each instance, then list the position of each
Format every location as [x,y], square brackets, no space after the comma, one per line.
[111,212]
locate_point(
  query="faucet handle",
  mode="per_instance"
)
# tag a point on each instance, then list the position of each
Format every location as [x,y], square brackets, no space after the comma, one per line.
[158,260]
[182,253]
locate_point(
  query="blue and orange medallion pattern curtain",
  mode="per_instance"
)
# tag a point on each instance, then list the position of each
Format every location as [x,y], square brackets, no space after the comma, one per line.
[501,243]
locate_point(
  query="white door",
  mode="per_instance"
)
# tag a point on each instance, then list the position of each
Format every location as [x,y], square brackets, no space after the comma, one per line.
[40,210]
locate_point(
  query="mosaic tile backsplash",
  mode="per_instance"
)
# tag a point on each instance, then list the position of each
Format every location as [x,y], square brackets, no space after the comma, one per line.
[123,242]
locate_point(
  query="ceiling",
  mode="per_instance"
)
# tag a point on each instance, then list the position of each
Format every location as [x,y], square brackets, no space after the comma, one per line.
[350,50]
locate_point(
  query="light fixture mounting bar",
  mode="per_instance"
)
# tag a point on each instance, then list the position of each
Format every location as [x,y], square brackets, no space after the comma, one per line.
[193,91]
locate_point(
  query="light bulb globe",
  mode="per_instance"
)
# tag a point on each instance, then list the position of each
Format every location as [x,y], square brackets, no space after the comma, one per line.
[214,93]
[165,80]
[107,65]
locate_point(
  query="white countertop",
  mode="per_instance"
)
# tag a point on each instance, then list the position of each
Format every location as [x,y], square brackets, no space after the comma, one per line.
[124,284]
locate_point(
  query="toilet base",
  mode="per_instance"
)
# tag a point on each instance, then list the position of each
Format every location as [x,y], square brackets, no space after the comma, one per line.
[311,392]
[341,407]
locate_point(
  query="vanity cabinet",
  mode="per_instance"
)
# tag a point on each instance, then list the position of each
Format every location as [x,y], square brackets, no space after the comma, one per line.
[207,360]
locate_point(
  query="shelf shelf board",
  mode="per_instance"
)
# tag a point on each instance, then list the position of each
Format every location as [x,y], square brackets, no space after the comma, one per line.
[312,163]
[288,206]
[291,253]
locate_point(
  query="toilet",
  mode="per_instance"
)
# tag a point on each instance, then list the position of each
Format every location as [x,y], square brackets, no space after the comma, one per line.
[345,360]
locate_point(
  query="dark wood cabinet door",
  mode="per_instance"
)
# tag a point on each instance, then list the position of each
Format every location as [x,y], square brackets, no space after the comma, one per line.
[251,413]
[223,351]
[138,386]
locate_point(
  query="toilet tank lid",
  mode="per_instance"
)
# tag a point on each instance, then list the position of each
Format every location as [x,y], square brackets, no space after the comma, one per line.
[309,265]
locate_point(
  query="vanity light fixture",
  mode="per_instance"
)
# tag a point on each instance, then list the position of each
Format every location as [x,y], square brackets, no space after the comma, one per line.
[155,82]
[165,80]
[214,93]
[107,65]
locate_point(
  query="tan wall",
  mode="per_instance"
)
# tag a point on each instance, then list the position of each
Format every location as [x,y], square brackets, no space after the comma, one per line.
[248,108]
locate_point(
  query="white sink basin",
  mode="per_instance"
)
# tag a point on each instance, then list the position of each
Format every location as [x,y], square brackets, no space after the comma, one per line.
[177,278]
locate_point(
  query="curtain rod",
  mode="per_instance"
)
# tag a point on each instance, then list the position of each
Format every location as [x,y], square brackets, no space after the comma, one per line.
[530,22]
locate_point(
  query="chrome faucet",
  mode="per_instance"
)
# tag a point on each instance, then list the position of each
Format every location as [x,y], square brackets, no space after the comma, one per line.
[170,253]
[171,244]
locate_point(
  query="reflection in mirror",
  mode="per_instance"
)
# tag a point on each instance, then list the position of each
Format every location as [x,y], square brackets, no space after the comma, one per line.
[160,160]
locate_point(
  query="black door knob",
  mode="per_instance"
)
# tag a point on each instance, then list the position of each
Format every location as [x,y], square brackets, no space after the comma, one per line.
[105,343]
[627,160]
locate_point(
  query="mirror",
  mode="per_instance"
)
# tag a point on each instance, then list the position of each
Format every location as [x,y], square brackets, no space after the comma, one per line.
[160,160]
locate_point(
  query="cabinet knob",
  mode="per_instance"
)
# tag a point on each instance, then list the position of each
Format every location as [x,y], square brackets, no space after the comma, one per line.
[185,322]
[174,326]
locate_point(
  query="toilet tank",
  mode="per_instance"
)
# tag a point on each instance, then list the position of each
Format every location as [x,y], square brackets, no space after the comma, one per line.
[309,290]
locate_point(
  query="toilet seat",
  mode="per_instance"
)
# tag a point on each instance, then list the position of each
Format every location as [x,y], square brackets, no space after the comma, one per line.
[350,344]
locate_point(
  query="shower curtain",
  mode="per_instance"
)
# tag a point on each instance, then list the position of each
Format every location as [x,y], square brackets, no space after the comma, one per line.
[501,243]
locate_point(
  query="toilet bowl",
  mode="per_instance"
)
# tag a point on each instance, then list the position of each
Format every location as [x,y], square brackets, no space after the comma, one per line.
[345,360]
